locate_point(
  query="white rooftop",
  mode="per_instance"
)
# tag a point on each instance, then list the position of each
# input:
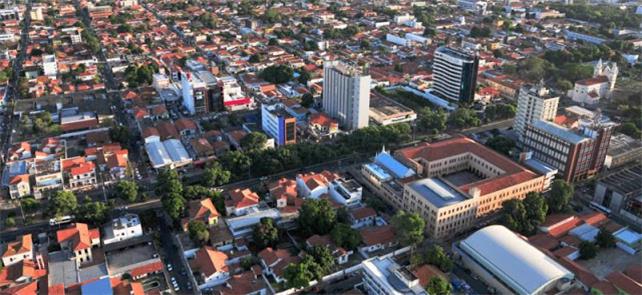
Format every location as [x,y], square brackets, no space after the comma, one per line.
[514,261]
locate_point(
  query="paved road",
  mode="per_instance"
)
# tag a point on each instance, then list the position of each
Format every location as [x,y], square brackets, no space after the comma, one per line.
[490,126]
[172,256]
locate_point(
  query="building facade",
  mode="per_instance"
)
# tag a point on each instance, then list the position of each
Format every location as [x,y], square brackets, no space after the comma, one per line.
[278,123]
[534,103]
[455,74]
[577,153]
[346,94]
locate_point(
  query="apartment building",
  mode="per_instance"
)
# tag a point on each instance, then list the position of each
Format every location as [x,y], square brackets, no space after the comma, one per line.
[278,123]
[534,103]
[346,94]
[455,74]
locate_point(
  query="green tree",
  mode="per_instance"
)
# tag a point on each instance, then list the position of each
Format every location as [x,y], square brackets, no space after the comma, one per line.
[63,203]
[307,100]
[501,144]
[345,236]
[536,208]
[605,239]
[299,275]
[409,228]
[10,222]
[127,190]
[198,232]
[588,250]
[215,175]
[316,217]
[499,111]
[29,204]
[170,188]
[438,286]
[304,76]
[196,192]
[323,257]
[120,134]
[438,257]
[93,212]
[265,234]
[464,118]
[255,58]
[431,120]
[254,141]
[630,129]
[236,162]
[277,74]
[560,196]
[514,216]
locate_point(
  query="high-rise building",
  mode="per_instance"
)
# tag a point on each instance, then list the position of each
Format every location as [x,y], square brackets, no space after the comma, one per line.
[346,94]
[195,91]
[455,74]
[278,123]
[534,103]
[577,151]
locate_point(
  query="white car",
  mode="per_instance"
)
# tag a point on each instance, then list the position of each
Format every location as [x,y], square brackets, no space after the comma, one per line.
[169,267]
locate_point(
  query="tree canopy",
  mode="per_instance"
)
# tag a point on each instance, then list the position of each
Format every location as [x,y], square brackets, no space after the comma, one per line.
[215,175]
[464,118]
[170,188]
[560,196]
[127,190]
[409,228]
[345,236]
[198,232]
[265,234]
[438,286]
[501,144]
[431,120]
[317,217]
[277,74]
[63,203]
[524,216]
[605,239]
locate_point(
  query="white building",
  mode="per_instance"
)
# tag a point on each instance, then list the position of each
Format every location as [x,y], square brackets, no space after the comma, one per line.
[346,94]
[385,276]
[455,74]
[18,250]
[49,65]
[473,6]
[232,95]
[346,192]
[169,153]
[591,90]
[122,228]
[534,103]
[508,263]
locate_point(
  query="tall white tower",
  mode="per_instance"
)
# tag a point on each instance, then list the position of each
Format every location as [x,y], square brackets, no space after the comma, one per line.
[346,94]
[534,103]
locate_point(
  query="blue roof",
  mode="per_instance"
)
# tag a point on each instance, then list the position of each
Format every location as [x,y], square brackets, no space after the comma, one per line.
[387,161]
[99,287]
[378,171]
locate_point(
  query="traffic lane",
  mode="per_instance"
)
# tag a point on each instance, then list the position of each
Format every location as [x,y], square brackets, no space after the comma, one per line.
[172,256]
[477,286]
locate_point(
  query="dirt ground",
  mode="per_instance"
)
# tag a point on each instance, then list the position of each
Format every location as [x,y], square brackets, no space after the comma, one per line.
[610,260]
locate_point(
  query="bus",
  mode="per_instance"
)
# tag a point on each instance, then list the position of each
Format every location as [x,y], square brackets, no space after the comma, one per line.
[61,220]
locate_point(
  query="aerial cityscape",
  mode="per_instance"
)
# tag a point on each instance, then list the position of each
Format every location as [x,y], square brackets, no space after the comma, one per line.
[379,147]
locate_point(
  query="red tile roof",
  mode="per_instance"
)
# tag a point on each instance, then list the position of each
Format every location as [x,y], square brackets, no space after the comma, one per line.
[209,261]
[624,283]
[78,235]
[147,269]
[513,173]
[378,235]
[241,198]
[24,245]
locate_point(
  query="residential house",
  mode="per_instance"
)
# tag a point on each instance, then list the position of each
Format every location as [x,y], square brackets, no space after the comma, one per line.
[211,266]
[362,217]
[340,254]
[79,239]
[274,262]
[80,173]
[18,250]
[203,210]
[241,201]
[122,228]
[19,186]
[377,238]
[314,185]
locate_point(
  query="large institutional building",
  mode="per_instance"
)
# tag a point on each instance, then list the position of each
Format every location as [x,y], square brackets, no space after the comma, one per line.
[511,265]
[455,74]
[457,183]
[576,147]
[534,103]
[346,94]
